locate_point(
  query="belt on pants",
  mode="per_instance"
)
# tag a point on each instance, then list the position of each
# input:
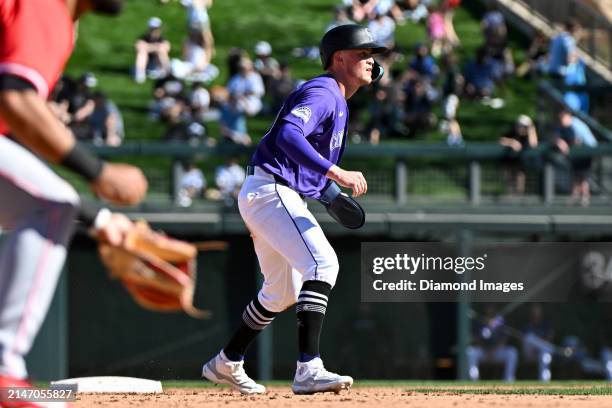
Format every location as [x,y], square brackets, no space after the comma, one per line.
[250,171]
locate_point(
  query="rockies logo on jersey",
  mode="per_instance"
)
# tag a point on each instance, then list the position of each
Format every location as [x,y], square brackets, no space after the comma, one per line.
[302,112]
[336,140]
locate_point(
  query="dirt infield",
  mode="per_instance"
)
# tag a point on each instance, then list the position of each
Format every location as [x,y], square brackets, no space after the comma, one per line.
[380,397]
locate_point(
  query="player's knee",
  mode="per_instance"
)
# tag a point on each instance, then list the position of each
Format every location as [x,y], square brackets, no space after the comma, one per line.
[275,303]
[327,269]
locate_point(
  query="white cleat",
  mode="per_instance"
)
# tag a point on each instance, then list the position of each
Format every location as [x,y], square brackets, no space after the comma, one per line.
[220,370]
[312,377]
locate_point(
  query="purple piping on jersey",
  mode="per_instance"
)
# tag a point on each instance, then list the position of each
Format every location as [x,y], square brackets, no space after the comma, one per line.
[296,227]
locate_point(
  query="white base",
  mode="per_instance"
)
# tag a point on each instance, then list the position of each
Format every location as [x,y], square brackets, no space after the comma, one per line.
[112,384]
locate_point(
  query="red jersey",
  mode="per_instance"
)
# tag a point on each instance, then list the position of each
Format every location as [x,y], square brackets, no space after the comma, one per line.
[36,40]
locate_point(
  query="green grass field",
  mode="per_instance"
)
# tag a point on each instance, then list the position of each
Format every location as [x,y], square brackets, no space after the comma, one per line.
[105,47]
[456,387]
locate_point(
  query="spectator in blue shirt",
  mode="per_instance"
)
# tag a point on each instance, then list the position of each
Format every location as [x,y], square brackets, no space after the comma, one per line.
[423,63]
[561,48]
[575,75]
[573,132]
[233,121]
[479,76]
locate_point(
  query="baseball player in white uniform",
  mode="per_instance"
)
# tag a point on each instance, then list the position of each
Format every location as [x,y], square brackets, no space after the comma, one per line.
[297,158]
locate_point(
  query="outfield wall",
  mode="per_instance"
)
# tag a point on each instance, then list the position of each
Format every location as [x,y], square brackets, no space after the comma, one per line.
[96,329]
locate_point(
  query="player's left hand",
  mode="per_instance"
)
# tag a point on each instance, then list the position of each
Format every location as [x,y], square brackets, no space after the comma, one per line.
[349,179]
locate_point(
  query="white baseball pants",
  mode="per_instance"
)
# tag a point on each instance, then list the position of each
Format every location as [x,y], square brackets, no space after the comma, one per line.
[289,242]
[37,208]
[504,354]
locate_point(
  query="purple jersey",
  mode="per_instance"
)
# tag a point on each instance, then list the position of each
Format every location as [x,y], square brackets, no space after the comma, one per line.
[307,137]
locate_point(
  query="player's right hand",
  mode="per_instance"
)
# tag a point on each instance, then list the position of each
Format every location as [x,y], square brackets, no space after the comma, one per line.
[349,179]
[120,184]
[115,230]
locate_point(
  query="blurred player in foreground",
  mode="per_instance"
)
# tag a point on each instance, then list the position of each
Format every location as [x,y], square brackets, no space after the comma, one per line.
[37,207]
[296,159]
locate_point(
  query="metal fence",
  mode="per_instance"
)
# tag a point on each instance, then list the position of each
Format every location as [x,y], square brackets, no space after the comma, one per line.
[597,29]
[479,173]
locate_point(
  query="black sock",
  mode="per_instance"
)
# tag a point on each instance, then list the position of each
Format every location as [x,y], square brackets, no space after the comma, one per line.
[311,306]
[255,318]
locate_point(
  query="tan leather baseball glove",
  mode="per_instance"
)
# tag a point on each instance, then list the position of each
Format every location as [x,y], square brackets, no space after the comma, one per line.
[159,272]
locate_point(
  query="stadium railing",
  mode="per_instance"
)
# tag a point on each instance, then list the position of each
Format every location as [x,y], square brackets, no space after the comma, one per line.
[418,172]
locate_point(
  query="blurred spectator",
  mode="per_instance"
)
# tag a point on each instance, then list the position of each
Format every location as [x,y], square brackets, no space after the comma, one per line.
[198,20]
[414,10]
[341,17]
[573,132]
[537,57]
[382,28]
[232,122]
[418,107]
[229,178]
[281,87]
[436,31]
[191,184]
[234,57]
[386,109]
[152,51]
[167,91]
[448,7]
[519,139]
[562,46]
[199,100]
[479,76]
[81,106]
[265,64]
[491,345]
[363,9]
[493,25]
[105,121]
[386,8]
[247,86]
[454,138]
[501,60]
[495,33]
[183,127]
[605,343]
[195,64]
[537,338]
[452,86]
[197,14]
[423,63]
[575,75]
[87,113]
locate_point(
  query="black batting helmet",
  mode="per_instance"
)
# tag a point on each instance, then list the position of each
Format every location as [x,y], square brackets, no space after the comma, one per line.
[350,37]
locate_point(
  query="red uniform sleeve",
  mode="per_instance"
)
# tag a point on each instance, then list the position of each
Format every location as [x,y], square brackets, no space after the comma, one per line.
[36,40]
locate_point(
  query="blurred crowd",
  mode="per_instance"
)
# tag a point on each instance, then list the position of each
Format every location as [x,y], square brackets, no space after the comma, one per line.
[536,342]
[423,89]
[86,111]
